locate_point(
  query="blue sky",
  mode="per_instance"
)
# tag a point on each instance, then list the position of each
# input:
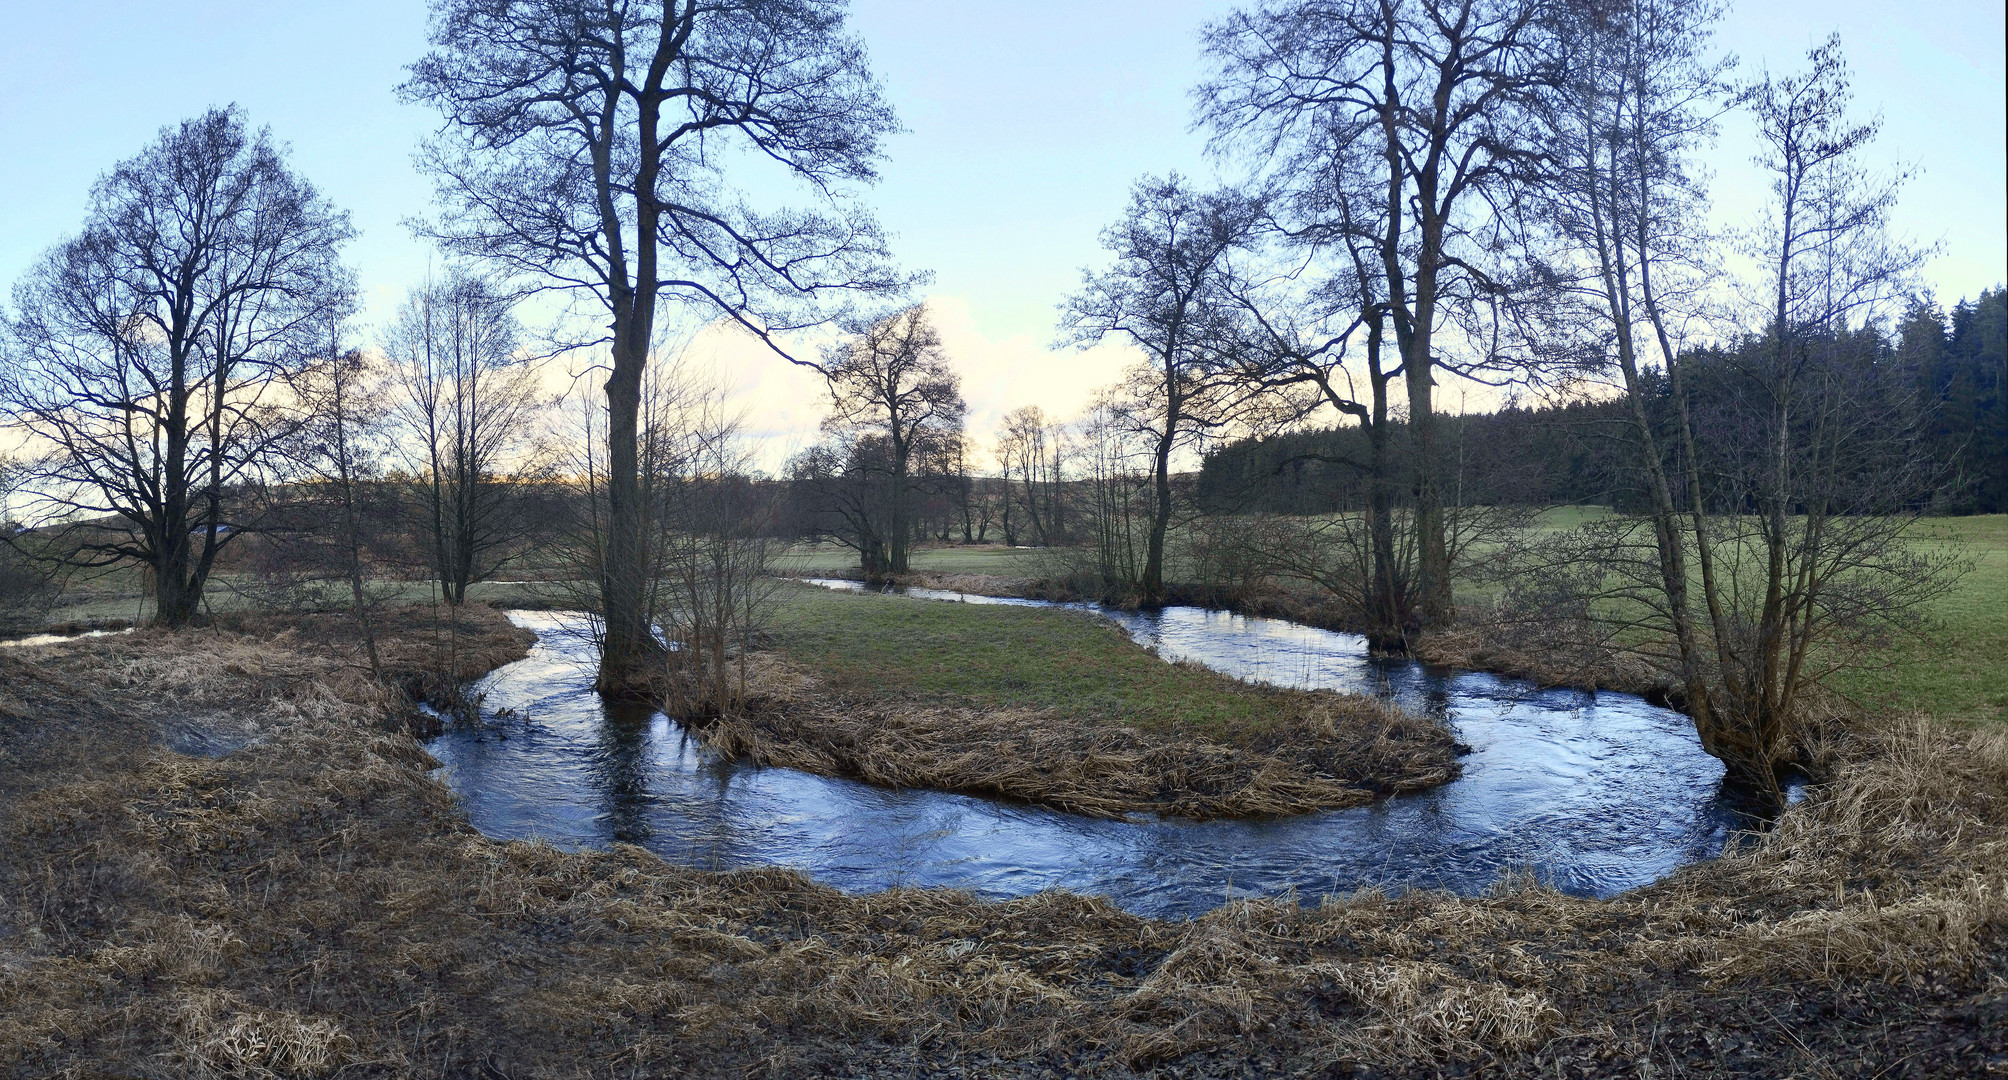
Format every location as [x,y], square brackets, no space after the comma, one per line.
[1027,123]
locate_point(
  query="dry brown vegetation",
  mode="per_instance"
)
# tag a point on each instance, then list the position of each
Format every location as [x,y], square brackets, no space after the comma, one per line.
[1483,642]
[313,905]
[1329,750]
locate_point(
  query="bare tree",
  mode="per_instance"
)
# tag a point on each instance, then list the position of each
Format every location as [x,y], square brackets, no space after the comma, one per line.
[1328,335]
[26,587]
[709,540]
[1440,91]
[711,594]
[151,353]
[840,490]
[1118,462]
[1799,458]
[897,405]
[339,447]
[962,482]
[1033,451]
[1629,207]
[468,401]
[1164,295]
[586,149]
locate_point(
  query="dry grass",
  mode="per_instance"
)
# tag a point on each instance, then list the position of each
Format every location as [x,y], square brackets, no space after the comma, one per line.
[312,905]
[1332,750]
[1482,642]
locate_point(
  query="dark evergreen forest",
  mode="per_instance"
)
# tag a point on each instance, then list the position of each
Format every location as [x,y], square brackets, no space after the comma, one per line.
[1945,376]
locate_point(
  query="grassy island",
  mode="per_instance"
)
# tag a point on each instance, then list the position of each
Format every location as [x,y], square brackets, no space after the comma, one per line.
[1061,708]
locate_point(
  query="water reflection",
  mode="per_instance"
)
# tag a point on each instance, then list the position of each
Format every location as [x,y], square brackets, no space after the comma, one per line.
[620,769]
[1592,793]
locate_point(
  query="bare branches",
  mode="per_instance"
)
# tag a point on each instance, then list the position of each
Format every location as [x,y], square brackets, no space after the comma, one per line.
[467,404]
[151,352]
[896,409]
[586,146]
[1400,134]
[1785,471]
[1166,295]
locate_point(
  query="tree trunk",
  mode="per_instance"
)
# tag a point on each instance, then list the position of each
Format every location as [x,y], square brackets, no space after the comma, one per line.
[176,600]
[1152,584]
[1433,554]
[630,656]
[901,532]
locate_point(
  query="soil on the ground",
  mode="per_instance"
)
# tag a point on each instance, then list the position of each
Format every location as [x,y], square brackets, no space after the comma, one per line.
[311,903]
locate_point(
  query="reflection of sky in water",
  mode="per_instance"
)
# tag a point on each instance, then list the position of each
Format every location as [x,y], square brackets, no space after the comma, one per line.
[1594,793]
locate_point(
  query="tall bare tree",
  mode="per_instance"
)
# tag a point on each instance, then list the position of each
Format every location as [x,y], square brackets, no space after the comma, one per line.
[468,401]
[1164,294]
[150,353]
[1628,203]
[1826,464]
[713,536]
[1441,92]
[1118,472]
[26,588]
[1788,467]
[1316,320]
[896,402]
[586,149]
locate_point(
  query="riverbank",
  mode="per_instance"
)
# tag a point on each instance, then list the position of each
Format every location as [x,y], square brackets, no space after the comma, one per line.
[312,904]
[1057,708]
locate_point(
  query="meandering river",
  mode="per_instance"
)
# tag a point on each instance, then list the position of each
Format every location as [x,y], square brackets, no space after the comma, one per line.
[1593,793]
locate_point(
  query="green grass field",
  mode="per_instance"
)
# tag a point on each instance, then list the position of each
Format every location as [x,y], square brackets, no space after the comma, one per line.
[993,655]
[1960,673]
[118,596]
[803,559]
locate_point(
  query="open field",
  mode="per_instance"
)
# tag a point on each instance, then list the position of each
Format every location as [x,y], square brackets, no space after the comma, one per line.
[313,905]
[1075,664]
[1957,671]
[117,596]
[811,559]
[1960,673]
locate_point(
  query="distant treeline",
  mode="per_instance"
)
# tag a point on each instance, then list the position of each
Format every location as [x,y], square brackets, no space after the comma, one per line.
[1951,370]
[1961,364]
[1521,456]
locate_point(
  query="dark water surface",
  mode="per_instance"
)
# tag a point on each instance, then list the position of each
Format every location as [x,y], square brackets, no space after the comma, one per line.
[1594,794]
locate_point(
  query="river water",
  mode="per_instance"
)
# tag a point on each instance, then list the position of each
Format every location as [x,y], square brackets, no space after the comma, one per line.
[1592,793]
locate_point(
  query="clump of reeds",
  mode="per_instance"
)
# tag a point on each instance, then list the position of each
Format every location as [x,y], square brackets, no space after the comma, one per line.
[1897,869]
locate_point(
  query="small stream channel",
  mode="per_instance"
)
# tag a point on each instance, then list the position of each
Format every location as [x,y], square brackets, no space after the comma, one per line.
[1592,793]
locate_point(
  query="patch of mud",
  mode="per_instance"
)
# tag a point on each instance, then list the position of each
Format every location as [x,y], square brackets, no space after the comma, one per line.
[210,734]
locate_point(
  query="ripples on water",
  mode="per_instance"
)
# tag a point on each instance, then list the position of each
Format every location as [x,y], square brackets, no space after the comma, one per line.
[1594,794]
